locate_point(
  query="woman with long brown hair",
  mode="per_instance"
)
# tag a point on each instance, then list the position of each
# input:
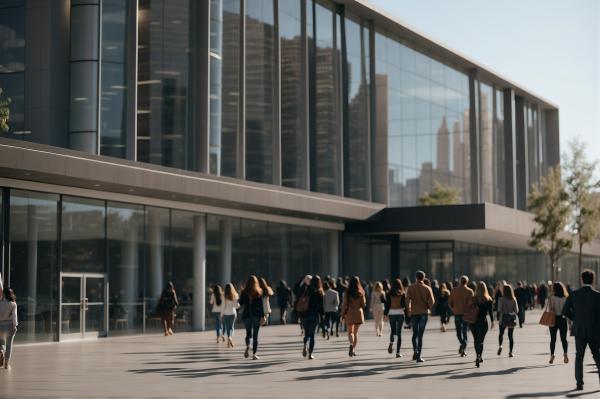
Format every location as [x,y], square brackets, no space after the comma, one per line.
[266,298]
[352,311]
[377,307]
[253,313]
[310,318]
[484,303]
[508,310]
[443,308]
[556,303]
[229,312]
[216,301]
[395,304]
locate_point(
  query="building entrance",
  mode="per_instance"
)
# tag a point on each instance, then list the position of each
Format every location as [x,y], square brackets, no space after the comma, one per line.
[83,306]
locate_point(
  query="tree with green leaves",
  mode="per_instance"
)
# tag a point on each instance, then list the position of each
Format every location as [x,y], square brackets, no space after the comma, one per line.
[442,194]
[582,189]
[551,210]
[4,112]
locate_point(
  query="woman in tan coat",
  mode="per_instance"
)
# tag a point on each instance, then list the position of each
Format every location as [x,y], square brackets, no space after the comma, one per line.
[352,311]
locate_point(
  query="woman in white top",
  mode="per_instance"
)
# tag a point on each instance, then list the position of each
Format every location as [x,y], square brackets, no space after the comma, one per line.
[267,294]
[556,305]
[229,312]
[216,300]
[377,307]
[508,310]
[8,325]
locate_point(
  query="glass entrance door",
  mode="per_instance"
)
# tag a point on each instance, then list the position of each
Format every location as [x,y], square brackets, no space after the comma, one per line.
[82,305]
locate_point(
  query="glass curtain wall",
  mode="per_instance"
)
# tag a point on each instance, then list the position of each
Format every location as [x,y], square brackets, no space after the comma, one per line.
[224,86]
[260,90]
[157,260]
[33,268]
[84,74]
[499,150]
[357,108]
[294,146]
[487,154]
[533,142]
[12,64]
[369,258]
[163,133]
[426,117]
[114,88]
[125,236]
[325,114]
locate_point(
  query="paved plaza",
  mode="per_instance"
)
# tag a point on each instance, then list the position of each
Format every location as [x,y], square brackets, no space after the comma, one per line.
[192,365]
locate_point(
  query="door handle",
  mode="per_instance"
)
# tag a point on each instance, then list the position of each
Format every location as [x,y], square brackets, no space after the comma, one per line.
[85,304]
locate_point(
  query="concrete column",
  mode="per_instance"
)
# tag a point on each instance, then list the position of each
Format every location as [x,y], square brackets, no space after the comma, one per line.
[334,261]
[198,305]
[225,271]
[156,269]
[32,263]
[129,266]
[510,148]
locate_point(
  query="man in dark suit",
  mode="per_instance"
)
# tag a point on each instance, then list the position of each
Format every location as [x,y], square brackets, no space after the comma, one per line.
[583,307]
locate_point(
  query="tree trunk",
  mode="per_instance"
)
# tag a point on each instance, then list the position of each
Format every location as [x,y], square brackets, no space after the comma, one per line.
[554,271]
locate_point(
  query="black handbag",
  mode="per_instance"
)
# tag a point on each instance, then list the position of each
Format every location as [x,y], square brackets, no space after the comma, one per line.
[509,320]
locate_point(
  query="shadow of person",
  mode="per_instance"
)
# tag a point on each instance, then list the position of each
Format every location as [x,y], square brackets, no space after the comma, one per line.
[568,394]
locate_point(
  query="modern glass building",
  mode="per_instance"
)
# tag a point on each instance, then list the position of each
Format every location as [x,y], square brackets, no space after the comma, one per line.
[203,141]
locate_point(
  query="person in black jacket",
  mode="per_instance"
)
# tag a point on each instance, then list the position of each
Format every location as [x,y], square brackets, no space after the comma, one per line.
[284,300]
[522,295]
[253,314]
[310,317]
[479,329]
[583,307]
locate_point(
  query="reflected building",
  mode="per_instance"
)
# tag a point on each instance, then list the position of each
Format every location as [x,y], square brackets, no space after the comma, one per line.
[200,142]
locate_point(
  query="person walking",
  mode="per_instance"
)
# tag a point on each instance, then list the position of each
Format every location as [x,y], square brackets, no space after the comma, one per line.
[284,300]
[556,303]
[485,306]
[395,304]
[543,294]
[229,312]
[167,305]
[442,307]
[310,318]
[419,301]
[216,301]
[353,311]
[8,325]
[377,307]
[460,298]
[508,310]
[583,308]
[522,295]
[331,304]
[266,298]
[253,314]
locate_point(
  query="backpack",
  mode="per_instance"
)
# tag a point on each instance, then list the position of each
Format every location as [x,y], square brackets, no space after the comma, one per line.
[302,304]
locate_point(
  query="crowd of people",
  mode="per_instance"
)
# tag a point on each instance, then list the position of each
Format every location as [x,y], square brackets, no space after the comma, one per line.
[331,305]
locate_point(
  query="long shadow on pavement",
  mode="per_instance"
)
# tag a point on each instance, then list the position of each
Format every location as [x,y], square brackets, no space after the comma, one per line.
[569,394]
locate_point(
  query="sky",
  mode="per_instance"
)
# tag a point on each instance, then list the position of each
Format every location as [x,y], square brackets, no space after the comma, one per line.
[548,47]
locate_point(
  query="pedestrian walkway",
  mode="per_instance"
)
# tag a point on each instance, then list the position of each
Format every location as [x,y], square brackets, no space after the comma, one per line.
[192,365]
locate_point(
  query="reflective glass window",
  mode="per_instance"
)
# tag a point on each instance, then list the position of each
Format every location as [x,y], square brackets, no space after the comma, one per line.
[500,163]
[486,143]
[260,86]
[84,32]
[157,260]
[33,262]
[163,135]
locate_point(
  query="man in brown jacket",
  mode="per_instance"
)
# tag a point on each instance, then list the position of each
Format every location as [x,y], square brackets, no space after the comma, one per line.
[459,301]
[419,301]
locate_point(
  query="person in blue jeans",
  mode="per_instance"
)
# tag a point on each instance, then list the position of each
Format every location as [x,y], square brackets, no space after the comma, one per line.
[419,301]
[395,304]
[460,299]
[253,314]
[216,300]
[311,317]
[229,312]
[8,325]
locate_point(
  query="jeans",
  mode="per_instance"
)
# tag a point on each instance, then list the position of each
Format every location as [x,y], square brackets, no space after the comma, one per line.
[511,340]
[396,322]
[418,322]
[521,315]
[331,319]
[560,325]
[252,324]
[218,324]
[7,342]
[310,326]
[479,331]
[580,345]
[228,323]
[462,327]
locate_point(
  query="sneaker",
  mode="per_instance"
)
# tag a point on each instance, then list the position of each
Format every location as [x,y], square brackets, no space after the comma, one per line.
[311,357]
[420,360]
[511,354]
[477,362]
[398,355]
[255,357]
[579,387]
[499,351]
[247,352]
[551,359]
[391,347]
[566,358]
[304,351]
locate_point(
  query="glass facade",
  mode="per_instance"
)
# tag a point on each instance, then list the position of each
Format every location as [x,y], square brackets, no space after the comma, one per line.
[427,112]
[164,53]
[89,244]
[12,64]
